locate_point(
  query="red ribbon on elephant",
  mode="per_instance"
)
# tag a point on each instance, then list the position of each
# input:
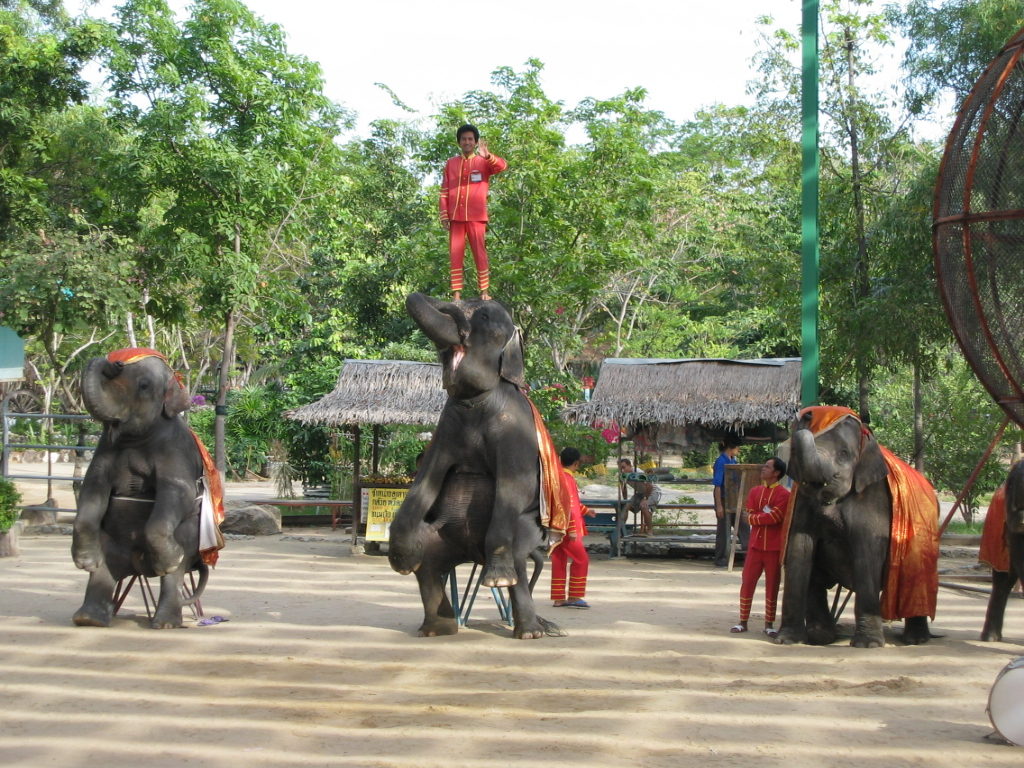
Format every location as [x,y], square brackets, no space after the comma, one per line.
[211,540]
[554,500]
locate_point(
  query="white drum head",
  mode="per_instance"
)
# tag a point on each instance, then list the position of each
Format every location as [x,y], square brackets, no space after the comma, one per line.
[1006,702]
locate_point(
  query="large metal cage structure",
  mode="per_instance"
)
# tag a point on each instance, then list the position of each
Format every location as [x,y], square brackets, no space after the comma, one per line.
[978,229]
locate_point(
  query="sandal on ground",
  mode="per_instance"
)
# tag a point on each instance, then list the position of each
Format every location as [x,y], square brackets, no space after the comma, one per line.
[771,632]
[736,629]
[578,603]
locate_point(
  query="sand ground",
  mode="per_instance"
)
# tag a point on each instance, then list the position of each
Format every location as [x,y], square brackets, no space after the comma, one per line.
[319,665]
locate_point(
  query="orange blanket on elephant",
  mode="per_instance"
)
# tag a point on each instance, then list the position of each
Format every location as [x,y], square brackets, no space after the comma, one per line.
[912,584]
[994,551]
[211,513]
[554,501]
[912,581]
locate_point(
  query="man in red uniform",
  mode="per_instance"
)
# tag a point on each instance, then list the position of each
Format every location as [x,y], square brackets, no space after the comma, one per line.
[766,511]
[571,546]
[464,205]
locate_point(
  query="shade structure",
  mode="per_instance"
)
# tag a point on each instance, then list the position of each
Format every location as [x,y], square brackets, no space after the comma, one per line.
[717,394]
[379,392]
[978,228]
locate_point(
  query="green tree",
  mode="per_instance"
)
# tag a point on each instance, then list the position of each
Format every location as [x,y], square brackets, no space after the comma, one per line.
[41,57]
[239,131]
[950,44]
[861,151]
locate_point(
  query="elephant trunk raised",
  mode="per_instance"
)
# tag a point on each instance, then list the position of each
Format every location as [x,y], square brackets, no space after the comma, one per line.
[806,463]
[443,322]
[101,394]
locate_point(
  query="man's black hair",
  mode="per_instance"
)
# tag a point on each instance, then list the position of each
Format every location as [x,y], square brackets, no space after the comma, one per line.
[779,464]
[569,456]
[467,128]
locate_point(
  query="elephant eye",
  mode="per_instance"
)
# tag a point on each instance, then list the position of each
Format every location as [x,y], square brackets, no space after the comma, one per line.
[844,454]
[143,383]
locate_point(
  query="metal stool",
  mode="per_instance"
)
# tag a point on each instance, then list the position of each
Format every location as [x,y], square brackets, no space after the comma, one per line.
[124,586]
[463,607]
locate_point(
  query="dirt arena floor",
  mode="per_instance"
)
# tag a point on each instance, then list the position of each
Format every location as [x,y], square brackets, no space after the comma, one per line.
[319,665]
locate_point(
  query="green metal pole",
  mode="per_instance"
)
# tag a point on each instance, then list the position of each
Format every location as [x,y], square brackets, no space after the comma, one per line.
[809,208]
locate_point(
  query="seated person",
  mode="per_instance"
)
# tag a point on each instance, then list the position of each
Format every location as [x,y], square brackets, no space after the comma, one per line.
[646,495]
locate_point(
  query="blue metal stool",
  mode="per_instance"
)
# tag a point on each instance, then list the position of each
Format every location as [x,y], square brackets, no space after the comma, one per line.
[463,607]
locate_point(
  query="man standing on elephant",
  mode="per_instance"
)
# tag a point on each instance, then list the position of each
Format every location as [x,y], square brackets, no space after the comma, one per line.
[571,546]
[765,509]
[463,206]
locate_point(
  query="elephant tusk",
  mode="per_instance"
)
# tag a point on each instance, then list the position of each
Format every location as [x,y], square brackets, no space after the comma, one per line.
[458,352]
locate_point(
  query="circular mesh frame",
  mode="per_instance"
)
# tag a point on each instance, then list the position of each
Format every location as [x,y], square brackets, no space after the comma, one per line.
[978,228]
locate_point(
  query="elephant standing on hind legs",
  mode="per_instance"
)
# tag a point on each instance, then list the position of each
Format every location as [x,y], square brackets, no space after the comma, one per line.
[142,497]
[1002,548]
[860,518]
[478,493]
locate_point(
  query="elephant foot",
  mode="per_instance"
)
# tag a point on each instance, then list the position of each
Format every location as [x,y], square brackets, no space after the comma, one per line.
[93,616]
[915,631]
[821,634]
[499,575]
[167,562]
[87,558]
[533,630]
[165,621]
[991,636]
[789,636]
[438,627]
[869,633]
[867,641]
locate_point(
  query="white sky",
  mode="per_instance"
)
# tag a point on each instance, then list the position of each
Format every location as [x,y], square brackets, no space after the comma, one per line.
[687,54]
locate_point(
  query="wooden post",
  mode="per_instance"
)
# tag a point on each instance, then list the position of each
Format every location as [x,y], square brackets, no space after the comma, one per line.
[357,492]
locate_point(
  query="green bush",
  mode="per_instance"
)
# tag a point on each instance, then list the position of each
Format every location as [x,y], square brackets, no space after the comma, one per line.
[10,505]
[593,448]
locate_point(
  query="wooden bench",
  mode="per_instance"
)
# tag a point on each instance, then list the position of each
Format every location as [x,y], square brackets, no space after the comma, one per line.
[336,506]
[615,525]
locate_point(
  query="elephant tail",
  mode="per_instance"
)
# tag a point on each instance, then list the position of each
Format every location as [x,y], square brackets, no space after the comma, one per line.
[538,566]
[204,576]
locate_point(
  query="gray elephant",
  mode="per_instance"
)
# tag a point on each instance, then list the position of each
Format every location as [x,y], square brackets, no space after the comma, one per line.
[1003,549]
[476,497]
[842,530]
[139,506]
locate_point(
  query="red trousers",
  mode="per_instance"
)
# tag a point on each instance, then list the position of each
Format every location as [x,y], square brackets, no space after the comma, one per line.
[758,561]
[574,549]
[457,234]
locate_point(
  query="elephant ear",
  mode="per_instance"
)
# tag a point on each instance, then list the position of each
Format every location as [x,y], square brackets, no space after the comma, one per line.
[871,467]
[176,399]
[511,365]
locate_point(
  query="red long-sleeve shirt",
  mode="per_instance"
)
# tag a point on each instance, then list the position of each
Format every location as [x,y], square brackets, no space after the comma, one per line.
[766,527]
[464,186]
[576,508]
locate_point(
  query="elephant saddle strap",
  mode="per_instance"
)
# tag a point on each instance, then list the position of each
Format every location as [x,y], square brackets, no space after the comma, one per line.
[994,551]
[554,501]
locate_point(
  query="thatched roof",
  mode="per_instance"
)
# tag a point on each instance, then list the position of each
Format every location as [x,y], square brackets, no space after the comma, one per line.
[713,393]
[379,392]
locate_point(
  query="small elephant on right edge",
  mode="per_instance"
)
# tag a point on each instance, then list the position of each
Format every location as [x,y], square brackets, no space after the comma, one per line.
[1002,548]
[861,518]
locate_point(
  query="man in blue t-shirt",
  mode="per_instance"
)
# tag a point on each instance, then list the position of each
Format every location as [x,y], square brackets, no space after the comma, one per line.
[727,455]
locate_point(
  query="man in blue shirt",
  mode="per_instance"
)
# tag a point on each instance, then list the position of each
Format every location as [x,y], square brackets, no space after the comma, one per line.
[728,449]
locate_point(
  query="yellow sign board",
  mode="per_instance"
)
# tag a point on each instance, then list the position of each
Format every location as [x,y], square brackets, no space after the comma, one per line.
[380,505]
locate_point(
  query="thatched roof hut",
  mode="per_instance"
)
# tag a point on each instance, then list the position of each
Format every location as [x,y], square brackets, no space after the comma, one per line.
[379,392]
[715,394]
